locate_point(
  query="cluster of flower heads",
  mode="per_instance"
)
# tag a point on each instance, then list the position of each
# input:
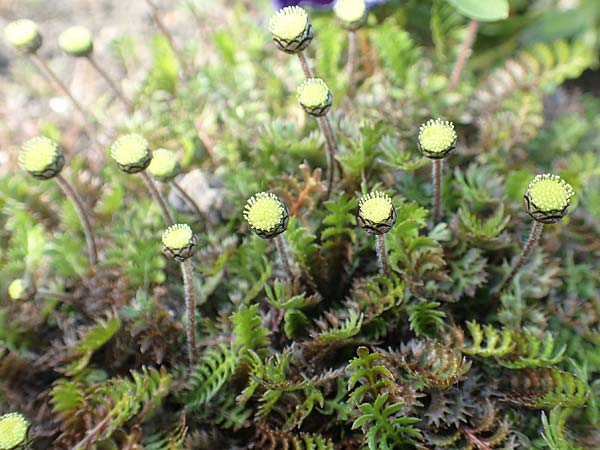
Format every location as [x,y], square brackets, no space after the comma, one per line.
[13,431]
[547,198]
[24,34]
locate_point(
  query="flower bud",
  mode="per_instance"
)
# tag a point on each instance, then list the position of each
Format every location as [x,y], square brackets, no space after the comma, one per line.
[376,213]
[24,35]
[291,30]
[436,138]
[547,198]
[179,242]
[76,41]
[131,152]
[266,215]
[13,430]
[351,14]
[314,96]
[164,165]
[41,157]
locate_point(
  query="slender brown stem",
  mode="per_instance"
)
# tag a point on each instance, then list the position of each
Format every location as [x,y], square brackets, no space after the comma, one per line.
[382,257]
[352,61]
[464,54]
[118,92]
[280,244]
[158,198]
[50,74]
[331,147]
[436,175]
[190,306]
[305,67]
[534,237]
[187,199]
[72,194]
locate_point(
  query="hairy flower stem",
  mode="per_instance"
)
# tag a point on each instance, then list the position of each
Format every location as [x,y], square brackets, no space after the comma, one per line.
[534,237]
[47,70]
[382,257]
[158,198]
[187,199]
[118,92]
[280,244]
[83,217]
[464,54]
[436,175]
[190,305]
[352,61]
[305,67]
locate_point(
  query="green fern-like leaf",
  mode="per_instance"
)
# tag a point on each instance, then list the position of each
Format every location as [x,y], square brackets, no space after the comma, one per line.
[426,319]
[554,429]
[210,375]
[488,342]
[249,330]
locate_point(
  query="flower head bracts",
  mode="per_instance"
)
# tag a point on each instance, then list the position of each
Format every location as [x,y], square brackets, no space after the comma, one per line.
[436,138]
[266,215]
[13,430]
[376,213]
[351,14]
[547,198]
[291,30]
[314,96]
[131,153]
[164,165]
[41,157]
[24,35]
[179,242]
[76,41]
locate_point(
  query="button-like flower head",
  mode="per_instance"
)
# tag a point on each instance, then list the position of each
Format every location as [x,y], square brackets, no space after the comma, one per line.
[76,41]
[24,35]
[315,97]
[291,30]
[351,14]
[131,153]
[13,430]
[376,213]
[179,242]
[547,198]
[164,165]
[266,215]
[41,157]
[436,138]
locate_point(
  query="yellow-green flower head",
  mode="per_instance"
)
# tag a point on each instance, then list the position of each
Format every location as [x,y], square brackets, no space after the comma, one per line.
[24,35]
[351,14]
[179,242]
[41,157]
[314,96]
[131,152]
[266,215]
[291,30]
[16,289]
[547,198]
[376,213]
[13,430]
[436,138]
[164,165]
[76,41]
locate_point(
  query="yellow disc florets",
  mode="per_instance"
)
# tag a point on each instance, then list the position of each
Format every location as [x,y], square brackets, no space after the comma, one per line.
[23,34]
[41,157]
[549,193]
[164,165]
[350,12]
[266,215]
[289,23]
[16,289]
[436,138]
[131,153]
[13,430]
[313,92]
[376,213]
[375,207]
[177,236]
[76,41]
